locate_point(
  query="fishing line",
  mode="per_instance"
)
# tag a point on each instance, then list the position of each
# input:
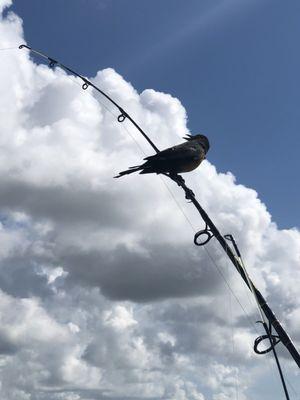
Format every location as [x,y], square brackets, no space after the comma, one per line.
[271,365]
[251,323]
[268,329]
[290,383]
[264,322]
[9,48]
[236,383]
[109,111]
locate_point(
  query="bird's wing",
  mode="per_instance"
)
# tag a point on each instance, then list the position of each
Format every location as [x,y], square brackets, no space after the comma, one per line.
[184,151]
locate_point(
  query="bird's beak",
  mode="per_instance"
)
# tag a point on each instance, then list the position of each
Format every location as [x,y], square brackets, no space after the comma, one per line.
[188,137]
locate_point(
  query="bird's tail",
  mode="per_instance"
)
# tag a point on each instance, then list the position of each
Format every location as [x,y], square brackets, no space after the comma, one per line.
[129,171]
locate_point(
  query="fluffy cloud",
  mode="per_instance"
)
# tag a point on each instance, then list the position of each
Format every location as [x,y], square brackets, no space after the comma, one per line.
[4,4]
[103,294]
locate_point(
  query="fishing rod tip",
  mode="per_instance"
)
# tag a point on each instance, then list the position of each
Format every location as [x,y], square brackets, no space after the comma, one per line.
[24,45]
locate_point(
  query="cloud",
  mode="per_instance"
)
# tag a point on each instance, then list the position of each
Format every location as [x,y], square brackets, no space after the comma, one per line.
[102,291]
[4,4]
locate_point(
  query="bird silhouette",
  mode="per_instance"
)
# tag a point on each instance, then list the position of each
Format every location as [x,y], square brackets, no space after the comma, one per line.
[184,157]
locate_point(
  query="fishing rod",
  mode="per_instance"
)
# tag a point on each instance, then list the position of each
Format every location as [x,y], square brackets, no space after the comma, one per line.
[202,237]
[207,234]
[273,339]
[86,83]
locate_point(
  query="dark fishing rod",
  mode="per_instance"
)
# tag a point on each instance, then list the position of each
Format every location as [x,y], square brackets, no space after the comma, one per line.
[273,339]
[86,83]
[207,234]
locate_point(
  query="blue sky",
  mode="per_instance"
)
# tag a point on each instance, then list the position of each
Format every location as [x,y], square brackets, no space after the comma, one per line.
[234,65]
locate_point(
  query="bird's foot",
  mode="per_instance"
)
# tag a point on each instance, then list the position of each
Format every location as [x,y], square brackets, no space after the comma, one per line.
[189,194]
[181,182]
[177,178]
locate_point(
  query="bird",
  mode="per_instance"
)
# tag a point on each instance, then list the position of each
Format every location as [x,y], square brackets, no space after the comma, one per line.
[184,157]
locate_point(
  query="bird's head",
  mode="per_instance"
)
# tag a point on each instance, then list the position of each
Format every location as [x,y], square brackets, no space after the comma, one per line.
[200,139]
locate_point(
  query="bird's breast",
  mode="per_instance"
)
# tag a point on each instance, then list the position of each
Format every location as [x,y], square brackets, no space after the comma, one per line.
[187,167]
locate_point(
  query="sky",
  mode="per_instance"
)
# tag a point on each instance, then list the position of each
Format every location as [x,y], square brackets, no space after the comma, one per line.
[103,294]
